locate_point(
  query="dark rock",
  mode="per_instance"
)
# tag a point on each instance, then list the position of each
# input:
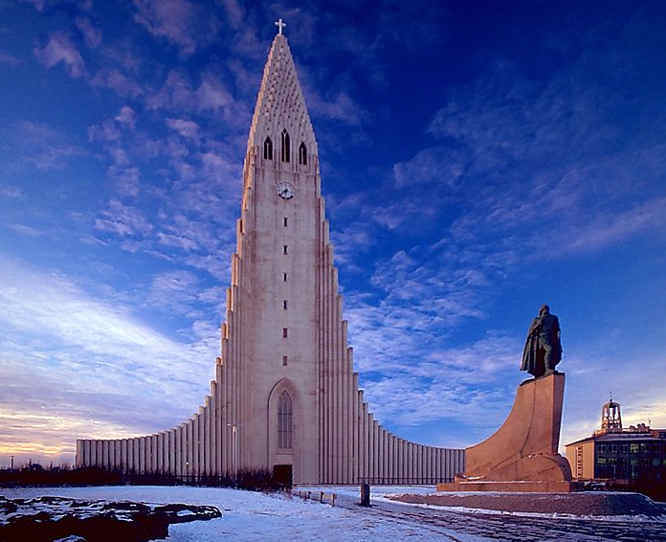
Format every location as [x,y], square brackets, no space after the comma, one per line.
[58,518]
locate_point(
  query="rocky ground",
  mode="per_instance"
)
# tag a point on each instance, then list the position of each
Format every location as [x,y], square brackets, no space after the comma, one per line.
[53,518]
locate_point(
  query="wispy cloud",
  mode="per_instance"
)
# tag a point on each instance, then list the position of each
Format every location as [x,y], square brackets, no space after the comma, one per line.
[91,33]
[58,49]
[119,82]
[186,128]
[177,94]
[186,24]
[6,58]
[96,364]
[123,220]
[43,146]
[26,230]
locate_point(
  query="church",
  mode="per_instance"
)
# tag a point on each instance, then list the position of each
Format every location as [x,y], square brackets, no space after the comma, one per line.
[285,395]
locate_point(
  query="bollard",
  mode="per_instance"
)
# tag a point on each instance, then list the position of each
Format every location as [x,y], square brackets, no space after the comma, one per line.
[321,496]
[365,494]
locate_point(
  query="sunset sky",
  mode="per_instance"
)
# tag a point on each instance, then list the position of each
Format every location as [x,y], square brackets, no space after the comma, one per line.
[477,160]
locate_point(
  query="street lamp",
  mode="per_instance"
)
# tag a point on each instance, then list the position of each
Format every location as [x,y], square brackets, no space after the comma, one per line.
[234,448]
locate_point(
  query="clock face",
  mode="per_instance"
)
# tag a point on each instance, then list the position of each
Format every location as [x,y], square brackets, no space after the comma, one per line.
[285,191]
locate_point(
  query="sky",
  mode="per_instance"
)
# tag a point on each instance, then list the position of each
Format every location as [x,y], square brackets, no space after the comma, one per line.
[477,161]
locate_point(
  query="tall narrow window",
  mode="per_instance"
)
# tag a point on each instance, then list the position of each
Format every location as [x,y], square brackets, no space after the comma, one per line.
[284,421]
[284,277]
[302,154]
[268,149]
[284,332]
[284,304]
[285,221]
[284,249]
[285,146]
[284,361]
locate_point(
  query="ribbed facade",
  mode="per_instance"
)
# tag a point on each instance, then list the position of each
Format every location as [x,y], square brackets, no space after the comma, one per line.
[284,334]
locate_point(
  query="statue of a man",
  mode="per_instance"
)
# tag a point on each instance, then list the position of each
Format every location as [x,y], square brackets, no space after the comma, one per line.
[543,350]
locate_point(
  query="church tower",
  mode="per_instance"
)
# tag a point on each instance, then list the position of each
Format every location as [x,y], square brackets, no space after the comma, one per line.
[275,282]
[285,396]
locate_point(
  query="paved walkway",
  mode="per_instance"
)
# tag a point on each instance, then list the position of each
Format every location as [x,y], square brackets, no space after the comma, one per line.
[507,527]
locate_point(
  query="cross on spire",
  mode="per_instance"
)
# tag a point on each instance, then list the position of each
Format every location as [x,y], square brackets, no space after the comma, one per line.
[280,25]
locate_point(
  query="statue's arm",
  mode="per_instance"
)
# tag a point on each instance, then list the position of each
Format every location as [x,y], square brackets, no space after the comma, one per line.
[534,326]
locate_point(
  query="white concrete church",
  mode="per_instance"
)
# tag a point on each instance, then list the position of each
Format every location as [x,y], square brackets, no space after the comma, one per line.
[285,395]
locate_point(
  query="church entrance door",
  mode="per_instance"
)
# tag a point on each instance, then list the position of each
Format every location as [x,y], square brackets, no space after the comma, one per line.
[283,475]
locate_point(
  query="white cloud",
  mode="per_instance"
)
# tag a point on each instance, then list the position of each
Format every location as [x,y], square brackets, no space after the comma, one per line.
[26,230]
[174,290]
[60,49]
[6,58]
[338,106]
[117,81]
[186,128]
[127,116]
[435,165]
[123,220]
[91,33]
[186,24]
[44,147]
[177,94]
[105,373]
[234,11]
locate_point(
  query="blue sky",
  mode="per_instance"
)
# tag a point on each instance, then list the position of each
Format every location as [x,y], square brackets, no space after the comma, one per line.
[477,161]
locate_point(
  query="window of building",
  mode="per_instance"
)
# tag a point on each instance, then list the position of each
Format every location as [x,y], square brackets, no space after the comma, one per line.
[284,249]
[268,149]
[284,360]
[284,332]
[285,146]
[579,461]
[284,304]
[284,421]
[285,221]
[284,277]
[302,154]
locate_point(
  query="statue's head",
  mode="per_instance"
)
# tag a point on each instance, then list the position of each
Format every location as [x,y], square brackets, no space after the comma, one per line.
[545,309]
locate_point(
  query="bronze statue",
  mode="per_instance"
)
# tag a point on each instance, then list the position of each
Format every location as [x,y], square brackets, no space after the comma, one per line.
[543,350]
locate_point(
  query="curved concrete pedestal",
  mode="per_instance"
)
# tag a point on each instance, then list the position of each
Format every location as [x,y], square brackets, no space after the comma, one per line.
[522,454]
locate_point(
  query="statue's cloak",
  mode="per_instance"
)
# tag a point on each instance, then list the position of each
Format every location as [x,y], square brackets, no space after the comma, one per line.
[532,362]
[533,353]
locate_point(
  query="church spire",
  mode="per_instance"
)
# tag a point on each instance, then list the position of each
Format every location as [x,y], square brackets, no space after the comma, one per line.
[280,107]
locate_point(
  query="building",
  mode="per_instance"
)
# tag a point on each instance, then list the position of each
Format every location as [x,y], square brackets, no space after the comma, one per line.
[634,456]
[285,395]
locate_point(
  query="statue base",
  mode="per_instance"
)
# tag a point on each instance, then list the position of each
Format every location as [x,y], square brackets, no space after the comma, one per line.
[511,487]
[522,454]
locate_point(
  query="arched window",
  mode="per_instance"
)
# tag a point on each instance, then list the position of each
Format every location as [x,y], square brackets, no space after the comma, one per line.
[285,146]
[302,154]
[268,149]
[284,421]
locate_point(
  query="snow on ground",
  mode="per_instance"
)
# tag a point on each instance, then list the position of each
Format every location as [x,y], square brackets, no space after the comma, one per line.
[383,494]
[467,510]
[251,516]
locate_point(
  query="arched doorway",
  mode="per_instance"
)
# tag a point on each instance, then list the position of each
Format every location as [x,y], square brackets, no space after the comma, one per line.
[282,431]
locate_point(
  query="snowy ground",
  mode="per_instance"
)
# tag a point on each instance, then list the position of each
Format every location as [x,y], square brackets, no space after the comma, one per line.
[253,516]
